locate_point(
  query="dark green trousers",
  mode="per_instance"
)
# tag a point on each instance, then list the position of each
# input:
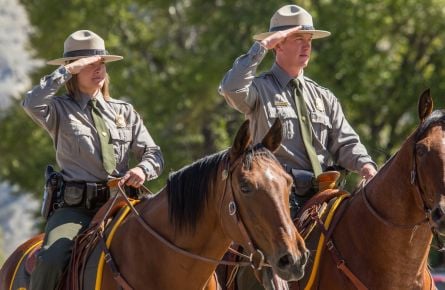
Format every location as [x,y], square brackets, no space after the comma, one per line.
[62,226]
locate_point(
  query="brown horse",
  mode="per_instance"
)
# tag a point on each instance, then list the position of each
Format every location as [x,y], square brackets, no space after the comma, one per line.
[383,238]
[240,195]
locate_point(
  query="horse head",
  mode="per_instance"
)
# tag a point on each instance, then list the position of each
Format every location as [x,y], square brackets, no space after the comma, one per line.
[260,188]
[428,170]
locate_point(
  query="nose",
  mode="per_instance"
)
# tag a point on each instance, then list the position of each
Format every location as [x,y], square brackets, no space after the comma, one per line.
[437,215]
[292,267]
[285,262]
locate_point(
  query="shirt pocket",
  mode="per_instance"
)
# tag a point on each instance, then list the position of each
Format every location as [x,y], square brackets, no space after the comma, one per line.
[121,135]
[121,139]
[288,118]
[75,138]
[85,137]
[321,125]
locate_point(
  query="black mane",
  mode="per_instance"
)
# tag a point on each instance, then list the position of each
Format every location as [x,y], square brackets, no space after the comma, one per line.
[189,187]
[438,116]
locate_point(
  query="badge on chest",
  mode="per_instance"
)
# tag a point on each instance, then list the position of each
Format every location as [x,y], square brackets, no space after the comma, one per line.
[319,105]
[120,121]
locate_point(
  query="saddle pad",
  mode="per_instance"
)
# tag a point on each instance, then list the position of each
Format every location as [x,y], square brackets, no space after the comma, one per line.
[94,267]
[315,242]
[21,277]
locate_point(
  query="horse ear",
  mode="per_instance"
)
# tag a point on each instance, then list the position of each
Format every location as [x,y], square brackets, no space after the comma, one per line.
[273,138]
[425,105]
[242,140]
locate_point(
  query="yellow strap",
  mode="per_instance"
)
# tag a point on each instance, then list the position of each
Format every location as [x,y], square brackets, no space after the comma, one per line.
[20,261]
[320,246]
[108,243]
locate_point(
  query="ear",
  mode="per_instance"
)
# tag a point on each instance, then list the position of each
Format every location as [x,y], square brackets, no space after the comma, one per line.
[425,105]
[273,138]
[242,140]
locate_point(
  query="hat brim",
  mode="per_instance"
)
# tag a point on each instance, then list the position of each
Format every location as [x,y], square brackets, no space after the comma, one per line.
[316,34]
[63,60]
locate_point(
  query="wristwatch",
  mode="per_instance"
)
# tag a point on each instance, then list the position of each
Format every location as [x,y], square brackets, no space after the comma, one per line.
[145,170]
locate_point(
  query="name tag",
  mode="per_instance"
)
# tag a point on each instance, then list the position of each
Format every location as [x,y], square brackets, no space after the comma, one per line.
[281,104]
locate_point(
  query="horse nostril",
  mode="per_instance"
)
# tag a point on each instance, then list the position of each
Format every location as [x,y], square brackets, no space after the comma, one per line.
[286,261]
[437,214]
[306,257]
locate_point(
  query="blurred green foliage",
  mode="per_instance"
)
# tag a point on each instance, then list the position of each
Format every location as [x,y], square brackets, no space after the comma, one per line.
[381,55]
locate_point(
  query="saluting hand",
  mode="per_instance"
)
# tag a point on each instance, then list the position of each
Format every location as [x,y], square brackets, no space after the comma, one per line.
[134,177]
[76,66]
[272,40]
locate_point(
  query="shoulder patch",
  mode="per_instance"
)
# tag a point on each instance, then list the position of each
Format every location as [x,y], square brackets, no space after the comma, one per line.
[116,101]
[264,74]
[313,83]
[63,97]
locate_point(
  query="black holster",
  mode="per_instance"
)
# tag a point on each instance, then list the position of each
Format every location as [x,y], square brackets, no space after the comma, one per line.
[52,196]
[304,182]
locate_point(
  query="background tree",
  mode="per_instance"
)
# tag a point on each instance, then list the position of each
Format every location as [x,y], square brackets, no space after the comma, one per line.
[380,56]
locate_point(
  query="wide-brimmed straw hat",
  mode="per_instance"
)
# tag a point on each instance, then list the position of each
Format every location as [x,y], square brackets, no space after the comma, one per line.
[84,43]
[291,16]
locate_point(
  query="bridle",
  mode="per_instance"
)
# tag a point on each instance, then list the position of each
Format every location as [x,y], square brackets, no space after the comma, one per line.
[228,202]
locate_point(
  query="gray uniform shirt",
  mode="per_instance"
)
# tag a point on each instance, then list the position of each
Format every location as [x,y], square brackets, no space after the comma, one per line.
[270,95]
[71,127]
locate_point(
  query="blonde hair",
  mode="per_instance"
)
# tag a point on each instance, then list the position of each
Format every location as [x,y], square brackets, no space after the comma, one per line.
[72,87]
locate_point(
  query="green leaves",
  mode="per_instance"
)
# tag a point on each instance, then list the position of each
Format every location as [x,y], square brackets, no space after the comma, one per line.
[380,56]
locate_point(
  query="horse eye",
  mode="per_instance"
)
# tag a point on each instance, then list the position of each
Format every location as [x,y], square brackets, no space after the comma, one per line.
[421,150]
[245,187]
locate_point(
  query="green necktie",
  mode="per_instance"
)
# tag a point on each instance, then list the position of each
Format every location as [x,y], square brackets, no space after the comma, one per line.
[106,147]
[305,127]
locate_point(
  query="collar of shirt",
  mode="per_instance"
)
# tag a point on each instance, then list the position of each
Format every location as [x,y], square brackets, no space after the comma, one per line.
[83,100]
[282,77]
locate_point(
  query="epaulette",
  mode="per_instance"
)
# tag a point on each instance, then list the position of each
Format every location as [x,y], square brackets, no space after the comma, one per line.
[63,98]
[308,80]
[264,74]
[116,101]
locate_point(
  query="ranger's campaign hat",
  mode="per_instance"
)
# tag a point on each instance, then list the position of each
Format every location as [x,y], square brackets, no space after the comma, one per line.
[291,16]
[84,43]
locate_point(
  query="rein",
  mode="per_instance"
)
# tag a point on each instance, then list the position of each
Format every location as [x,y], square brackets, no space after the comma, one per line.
[389,223]
[420,202]
[172,246]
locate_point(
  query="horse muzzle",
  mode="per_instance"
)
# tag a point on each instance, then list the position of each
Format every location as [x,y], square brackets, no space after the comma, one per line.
[438,218]
[290,267]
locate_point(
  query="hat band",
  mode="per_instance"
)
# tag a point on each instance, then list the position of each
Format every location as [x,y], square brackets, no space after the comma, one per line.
[284,27]
[85,52]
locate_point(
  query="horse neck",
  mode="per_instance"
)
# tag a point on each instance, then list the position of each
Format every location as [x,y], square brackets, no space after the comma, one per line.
[208,239]
[391,191]
[398,202]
